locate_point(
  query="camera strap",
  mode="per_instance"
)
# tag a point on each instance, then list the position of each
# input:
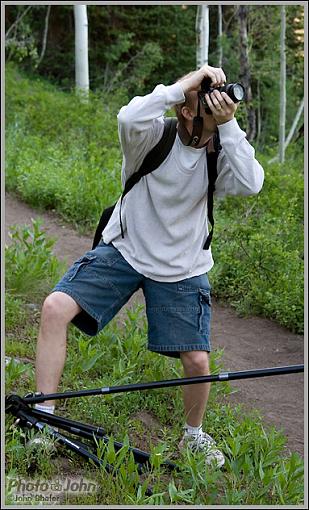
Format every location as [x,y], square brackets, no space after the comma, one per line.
[212,154]
[197,129]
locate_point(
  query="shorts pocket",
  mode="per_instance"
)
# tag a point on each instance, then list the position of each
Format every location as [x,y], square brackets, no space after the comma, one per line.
[204,311]
[83,262]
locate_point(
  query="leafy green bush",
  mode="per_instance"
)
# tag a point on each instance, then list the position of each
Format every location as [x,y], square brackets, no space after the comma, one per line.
[258,247]
[31,267]
[62,153]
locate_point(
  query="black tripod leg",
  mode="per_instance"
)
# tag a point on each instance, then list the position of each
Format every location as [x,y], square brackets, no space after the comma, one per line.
[76,447]
[65,423]
[73,445]
[94,433]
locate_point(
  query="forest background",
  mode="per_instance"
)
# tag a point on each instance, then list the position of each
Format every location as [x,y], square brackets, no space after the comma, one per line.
[63,154]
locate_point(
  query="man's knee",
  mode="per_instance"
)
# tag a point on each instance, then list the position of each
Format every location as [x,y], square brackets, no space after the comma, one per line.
[195,362]
[59,307]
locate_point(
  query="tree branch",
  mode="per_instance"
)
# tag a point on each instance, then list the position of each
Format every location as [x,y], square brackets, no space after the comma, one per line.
[14,25]
[226,23]
[44,36]
[292,130]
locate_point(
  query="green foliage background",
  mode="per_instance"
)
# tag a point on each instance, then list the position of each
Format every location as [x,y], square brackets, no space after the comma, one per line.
[259,250]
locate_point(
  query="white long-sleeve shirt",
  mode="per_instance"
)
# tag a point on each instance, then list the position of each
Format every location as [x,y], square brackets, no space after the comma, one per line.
[164,215]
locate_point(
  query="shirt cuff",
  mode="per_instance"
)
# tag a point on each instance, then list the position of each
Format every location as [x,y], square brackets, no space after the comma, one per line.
[230,131]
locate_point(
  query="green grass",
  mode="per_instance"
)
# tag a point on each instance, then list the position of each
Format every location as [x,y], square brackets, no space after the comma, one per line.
[258,470]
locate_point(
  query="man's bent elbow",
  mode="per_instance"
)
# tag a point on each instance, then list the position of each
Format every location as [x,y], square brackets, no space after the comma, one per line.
[257,187]
[257,183]
[253,187]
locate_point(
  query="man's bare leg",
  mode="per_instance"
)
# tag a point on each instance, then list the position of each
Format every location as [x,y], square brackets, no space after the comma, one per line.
[57,311]
[195,396]
[195,401]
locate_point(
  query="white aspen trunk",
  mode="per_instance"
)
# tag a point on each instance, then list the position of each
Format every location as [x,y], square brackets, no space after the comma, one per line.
[198,36]
[220,49]
[245,71]
[259,117]
[81,50]
[202,35]
[282,87]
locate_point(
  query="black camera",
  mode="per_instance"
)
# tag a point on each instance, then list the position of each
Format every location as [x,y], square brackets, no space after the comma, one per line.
[235,91]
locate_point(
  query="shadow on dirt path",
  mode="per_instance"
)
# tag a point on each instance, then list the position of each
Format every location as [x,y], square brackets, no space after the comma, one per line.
[248,343]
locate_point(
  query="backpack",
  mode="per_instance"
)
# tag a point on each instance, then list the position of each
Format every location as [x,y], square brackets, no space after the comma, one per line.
[152,161]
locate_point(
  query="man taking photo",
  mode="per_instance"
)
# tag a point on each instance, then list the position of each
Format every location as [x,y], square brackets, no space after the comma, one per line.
[155,241]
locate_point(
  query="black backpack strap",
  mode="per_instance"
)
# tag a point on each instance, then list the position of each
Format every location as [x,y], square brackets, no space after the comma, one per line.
[104,219]
[212,158]
[157,155]
[153,159]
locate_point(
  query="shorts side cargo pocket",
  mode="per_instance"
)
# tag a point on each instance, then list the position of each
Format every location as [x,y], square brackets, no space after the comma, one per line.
[205,311]
[87,259]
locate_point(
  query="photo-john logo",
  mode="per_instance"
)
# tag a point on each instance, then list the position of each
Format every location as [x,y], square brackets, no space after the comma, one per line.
[48,490]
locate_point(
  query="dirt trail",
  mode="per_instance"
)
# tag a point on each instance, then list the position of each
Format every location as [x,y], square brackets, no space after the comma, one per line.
[248,343]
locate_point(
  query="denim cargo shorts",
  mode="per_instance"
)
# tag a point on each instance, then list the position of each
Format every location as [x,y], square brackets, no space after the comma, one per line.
[178,314]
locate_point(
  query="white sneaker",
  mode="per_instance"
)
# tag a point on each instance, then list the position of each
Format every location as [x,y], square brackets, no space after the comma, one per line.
[203,442]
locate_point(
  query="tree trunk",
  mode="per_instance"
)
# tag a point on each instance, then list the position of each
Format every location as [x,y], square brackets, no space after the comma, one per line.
[259,117]
[81,50]
[282,87]
[202,35]
[220,49]
[245,74]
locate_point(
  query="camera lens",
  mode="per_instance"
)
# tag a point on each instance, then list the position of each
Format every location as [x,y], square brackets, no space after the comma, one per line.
[236,92]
